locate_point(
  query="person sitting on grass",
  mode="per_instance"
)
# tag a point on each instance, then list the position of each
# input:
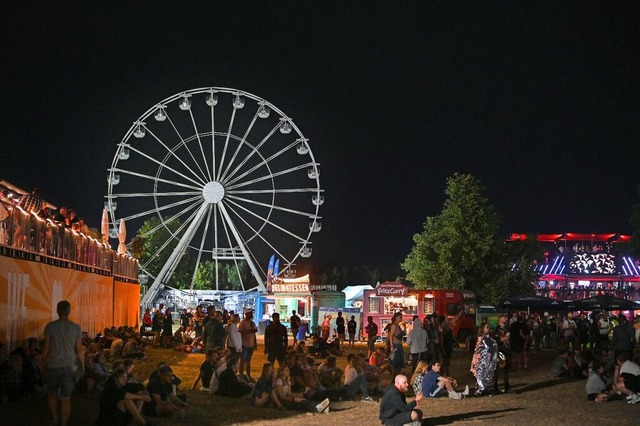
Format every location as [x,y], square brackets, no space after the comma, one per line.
[355,381]
[207,368]
[97,374]
[561,366]
[301,347]
[371,373]
[117,405]
[394,410]
[418,375]
[163,400]
[627,378]
[379,359]
[596,386]
[330,374]
[264,392]
[230,385]
[434,385]
[133,349]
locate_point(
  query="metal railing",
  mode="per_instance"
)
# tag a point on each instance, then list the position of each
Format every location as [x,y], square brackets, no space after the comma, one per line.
[26,235]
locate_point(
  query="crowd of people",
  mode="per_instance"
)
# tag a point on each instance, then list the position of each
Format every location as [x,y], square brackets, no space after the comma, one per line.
[33,203]
[306,377]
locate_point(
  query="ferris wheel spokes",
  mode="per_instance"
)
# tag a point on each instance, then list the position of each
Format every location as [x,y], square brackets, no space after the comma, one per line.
[186,146]
[271,246]
[226,144]
[206,229]
[273,206]
[168,206]
[173,234]
[163,165]
[204,158]
[235,154]
[169,267]
[274,174]
[152,178]
[230,178]
[265,220]
[173,154]
[243,248]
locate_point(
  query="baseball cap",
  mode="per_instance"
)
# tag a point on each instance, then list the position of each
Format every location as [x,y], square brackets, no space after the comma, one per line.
[246,311]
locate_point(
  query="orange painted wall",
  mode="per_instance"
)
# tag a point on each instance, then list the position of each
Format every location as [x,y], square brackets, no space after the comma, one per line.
[30,291]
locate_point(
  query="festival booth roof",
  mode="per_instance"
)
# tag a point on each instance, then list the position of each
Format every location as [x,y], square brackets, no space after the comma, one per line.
[530,301]
[354,292]
[602,303]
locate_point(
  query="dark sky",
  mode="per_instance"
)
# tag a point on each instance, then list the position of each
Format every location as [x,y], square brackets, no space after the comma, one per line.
[539,100]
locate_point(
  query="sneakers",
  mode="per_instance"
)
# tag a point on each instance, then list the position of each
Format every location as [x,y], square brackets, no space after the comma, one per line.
[465,392]
[455,395]
[203,389]
[368,399]
[322,406]
[630,396]
[635,399]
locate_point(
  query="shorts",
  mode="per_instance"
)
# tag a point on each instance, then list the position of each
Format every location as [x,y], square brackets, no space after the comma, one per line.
[247,353]
[437,392]
[631,382]
[62,380]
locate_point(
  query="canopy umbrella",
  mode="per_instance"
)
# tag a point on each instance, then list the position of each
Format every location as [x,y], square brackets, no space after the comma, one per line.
[603,303]
[104,226]
[122,236]
[531,301]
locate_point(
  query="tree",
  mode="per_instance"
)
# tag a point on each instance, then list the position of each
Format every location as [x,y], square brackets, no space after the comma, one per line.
[513,270]
[457,247]
[147,247]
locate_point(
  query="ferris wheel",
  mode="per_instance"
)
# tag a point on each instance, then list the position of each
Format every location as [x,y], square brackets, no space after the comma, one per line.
[229,179]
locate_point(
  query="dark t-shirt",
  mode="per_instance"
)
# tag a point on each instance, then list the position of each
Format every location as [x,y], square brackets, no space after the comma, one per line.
[371,329]
[109,413]
[206,368]
[340,324]
[275,338]
[264,384]
[156,386]
[351,326]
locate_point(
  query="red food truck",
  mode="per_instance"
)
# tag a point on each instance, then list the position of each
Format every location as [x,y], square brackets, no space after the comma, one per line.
[458,306]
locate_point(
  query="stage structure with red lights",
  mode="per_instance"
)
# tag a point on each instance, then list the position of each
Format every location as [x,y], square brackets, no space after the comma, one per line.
[577,266]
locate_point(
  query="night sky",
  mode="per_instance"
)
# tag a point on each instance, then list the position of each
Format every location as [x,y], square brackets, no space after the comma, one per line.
[540,101]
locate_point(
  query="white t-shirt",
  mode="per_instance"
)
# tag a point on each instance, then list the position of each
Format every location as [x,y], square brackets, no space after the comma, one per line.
[603,326]
[286,386]
[630,367]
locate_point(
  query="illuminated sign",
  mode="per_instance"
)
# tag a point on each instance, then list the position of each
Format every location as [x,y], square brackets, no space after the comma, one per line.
[391,289]
[592,263]
[290,288]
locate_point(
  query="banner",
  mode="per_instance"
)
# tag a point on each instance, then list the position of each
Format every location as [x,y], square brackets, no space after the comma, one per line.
[324,311]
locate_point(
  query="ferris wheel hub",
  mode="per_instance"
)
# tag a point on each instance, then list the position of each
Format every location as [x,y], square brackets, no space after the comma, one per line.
[213,192]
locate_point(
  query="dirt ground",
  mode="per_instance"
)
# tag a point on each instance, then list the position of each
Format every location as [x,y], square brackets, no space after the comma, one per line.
[538,399]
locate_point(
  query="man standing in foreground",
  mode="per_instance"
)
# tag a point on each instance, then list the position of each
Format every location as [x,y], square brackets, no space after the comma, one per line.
[275,340]
[248,330]
[62,349]
[394,409]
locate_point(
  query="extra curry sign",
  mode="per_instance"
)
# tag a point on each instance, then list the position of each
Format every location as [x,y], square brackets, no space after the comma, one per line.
[391,289]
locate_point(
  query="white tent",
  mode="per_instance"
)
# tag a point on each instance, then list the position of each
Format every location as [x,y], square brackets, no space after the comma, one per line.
[353,295]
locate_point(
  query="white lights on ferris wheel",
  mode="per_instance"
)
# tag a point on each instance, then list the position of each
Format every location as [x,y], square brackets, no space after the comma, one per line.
[315,226]
[139,131]
[124,153]
[285,127]
[302,148]
[160,114]
[313,172]
[317,200]
[212,98]
[238,101]
[263,111]
[185,103]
